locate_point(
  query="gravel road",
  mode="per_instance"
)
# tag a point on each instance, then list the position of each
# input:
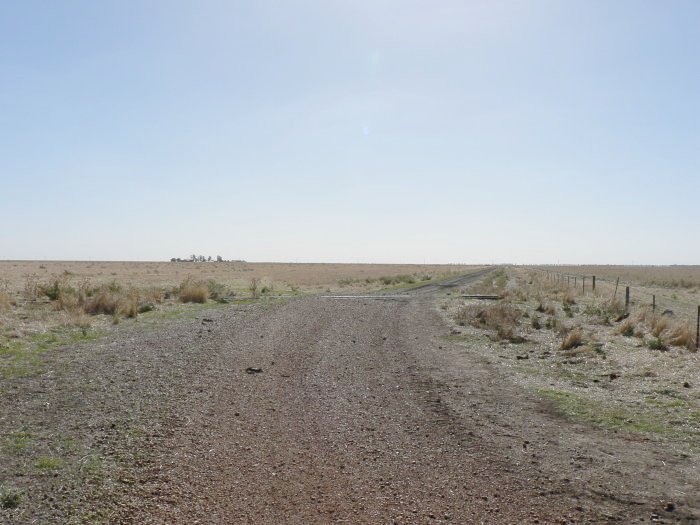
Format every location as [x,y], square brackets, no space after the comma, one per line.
[322,410]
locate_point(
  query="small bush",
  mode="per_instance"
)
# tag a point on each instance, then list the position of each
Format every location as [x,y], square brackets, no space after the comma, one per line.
[572,340]
[217,291]
[536,323]
[146,307]
[104,302]
[56,287]
[656,344]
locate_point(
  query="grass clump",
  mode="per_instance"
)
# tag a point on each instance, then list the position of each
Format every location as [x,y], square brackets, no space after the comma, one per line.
[683,335]
[48,463]
[627,328]
[655,343]
[572,340]
[105,302]
[10,499]
[658,325]
[193,291]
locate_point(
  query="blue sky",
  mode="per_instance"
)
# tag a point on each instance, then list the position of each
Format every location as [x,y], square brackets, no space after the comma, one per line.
[364,131]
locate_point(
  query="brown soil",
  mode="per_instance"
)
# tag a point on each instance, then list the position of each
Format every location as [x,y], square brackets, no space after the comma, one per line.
[361,413]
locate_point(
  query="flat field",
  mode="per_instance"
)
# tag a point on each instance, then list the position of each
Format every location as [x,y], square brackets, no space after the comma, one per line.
[46,299]
[236,275]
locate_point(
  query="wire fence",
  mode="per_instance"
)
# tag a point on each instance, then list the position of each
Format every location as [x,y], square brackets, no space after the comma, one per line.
[665,301]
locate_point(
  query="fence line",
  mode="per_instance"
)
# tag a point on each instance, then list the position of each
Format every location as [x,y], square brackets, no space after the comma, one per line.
[558,277]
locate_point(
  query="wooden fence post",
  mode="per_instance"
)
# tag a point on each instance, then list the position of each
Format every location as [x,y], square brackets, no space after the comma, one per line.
[583,279]
[594,283]
[697,332]
[653,303]
[627,297]
[616,283]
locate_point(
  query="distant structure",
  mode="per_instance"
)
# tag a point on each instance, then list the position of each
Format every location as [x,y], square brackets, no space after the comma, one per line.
[201,258]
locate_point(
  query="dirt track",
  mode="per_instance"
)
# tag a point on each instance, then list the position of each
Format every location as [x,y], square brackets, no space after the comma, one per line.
[361,414]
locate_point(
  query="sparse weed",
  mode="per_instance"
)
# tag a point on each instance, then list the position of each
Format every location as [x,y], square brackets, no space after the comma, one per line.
[48,463]
[254,287]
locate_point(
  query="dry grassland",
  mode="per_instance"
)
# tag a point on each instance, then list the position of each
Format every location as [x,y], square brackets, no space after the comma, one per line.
[623,369]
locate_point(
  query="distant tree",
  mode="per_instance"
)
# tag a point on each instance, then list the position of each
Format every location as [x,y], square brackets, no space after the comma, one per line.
[209,259]
[174,259]
[219,258]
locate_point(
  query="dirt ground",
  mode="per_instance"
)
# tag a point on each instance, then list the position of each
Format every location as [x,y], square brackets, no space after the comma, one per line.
[318,410]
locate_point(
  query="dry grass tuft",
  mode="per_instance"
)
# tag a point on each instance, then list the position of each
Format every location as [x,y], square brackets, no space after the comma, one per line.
[627,328]
[572,340]
[683,335]
[193,291]
[104,302]
[658,325]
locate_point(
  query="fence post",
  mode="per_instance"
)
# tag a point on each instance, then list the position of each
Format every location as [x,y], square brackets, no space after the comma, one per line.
[627,297]
[594,283]
[616,283]
[583,279]
[697,332]
[653,303]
